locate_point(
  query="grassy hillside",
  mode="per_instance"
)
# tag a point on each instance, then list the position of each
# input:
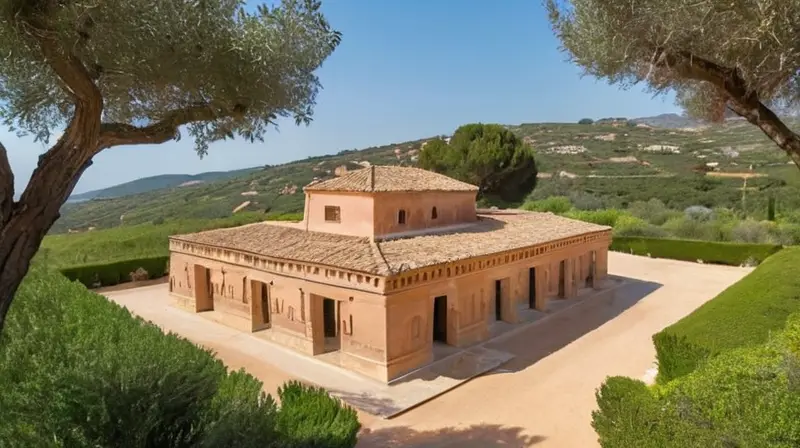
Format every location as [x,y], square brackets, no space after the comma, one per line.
[146,184]
[278,189]
[611,164]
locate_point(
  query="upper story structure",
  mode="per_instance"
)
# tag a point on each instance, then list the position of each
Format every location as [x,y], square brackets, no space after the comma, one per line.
[382,202]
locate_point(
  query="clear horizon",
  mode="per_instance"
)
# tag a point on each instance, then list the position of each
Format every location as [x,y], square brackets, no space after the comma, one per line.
[404,71]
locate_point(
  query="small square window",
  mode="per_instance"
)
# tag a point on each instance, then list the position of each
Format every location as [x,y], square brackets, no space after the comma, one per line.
[333,213]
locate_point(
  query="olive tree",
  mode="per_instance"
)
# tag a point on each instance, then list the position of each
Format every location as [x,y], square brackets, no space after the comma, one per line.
[737,55]
[133,72]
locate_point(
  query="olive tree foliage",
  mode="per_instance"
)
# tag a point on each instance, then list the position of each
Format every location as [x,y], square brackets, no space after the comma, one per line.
[716,55]
[487,155]
[130,72]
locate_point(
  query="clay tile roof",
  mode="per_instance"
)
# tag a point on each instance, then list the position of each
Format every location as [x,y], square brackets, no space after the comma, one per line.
[290,243]
[391,178]
[492,233]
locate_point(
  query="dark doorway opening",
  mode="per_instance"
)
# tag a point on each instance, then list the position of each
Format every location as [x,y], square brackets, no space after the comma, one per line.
[265,309]
[440,319]
[532,287]
[329,318]
[592,268]
[562,279]
[498,300]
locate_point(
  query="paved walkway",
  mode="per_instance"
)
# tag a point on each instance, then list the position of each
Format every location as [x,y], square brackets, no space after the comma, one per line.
[542,397]
[545,395]
[456,367]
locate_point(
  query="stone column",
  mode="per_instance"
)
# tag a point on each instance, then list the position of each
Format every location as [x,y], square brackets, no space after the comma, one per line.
[509,300]
[202,297]
[567,278]
[541,288]
[601,265]
[316,323]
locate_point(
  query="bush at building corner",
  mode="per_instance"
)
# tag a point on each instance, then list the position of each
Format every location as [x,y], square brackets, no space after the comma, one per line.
[733,254]
[107,378]
[109,274]
[312,418]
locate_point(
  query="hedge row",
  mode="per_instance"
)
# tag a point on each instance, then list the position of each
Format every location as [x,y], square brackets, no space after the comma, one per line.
[746,397]
[78,370]
[109,274]
[734,254]
[746,313]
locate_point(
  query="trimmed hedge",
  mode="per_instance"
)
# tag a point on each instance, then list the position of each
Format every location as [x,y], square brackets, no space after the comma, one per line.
[746,313]
[746,397]
[77,370]
[734,254]
[109,274]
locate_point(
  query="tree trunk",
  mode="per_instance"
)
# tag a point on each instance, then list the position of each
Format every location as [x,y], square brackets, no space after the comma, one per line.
[770,124]
[25,223]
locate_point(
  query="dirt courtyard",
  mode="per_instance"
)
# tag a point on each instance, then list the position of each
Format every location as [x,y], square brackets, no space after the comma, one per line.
[544,396]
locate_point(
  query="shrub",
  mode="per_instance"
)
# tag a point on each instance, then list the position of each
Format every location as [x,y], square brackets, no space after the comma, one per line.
[553,204]
[110,274]
[78,370]
[695,229]
[653,211]
[312,418]
[744,314]
[605,217]
[745,397]
[787,234]
[750,231]
[284,216]
[699,213]
[631,226]
[733,254]
[627,415]
[585,201]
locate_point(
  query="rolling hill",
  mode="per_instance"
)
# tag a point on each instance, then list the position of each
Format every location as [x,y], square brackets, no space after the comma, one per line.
[146,184]
[612,164]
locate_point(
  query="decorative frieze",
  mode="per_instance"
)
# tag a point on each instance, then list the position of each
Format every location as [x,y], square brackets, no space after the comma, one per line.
[377,284]
[416,277]
[306,271]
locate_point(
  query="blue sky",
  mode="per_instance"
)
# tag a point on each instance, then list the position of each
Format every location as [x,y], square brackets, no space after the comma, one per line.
[405,70]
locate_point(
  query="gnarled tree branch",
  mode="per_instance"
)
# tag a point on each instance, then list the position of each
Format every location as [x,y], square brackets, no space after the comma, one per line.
[742,100]
[6,187]
[116,134]
[67,66]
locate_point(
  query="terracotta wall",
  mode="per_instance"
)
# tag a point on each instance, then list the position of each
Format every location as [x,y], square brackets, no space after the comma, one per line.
[471,303]
[356,213]
[451,208]
[295,309]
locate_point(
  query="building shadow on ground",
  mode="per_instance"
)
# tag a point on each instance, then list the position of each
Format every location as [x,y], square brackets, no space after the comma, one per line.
[535,341]
[368,403]
[476,436]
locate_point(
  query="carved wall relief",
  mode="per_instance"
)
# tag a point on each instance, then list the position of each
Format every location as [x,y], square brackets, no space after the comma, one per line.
[188,279]
[416,327]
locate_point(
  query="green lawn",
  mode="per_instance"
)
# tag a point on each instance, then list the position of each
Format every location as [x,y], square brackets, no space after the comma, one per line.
[745,314]
[131,242]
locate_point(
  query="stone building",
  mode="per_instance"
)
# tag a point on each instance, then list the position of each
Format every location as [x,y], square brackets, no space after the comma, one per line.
[387,263]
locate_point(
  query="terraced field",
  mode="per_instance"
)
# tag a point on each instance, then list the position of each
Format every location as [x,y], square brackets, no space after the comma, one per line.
[614,164]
